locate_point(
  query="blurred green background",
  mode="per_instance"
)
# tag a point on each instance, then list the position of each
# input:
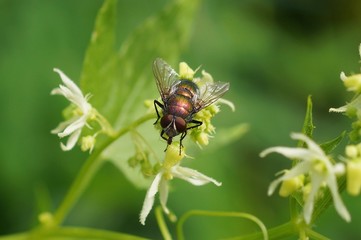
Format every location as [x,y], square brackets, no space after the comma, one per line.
[274,54]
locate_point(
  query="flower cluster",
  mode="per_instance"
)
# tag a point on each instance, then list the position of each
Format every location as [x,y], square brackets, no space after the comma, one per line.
[353,108]
[313,171]
[202,133]
[353,152]
[78,115]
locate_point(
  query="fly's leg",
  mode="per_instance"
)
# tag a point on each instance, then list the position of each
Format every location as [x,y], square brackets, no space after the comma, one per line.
[162,135]
[196,124]
[156,102]
[184,134]
[169,140]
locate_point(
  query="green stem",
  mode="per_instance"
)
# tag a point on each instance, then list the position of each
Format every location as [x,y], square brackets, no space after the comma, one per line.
[161,224]
[219,214]
[85,175]
[283,231]
[70,233]
[17,236]
[293,208]
[88,170]
[82,233]
[315,235]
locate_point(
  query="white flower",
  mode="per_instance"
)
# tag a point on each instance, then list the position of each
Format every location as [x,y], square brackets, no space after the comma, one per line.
[73,126]
[170,170]
[315,163]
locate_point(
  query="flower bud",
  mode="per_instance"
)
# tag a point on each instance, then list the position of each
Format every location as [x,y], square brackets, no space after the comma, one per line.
[351,151]
[306,191]
[202,139]
[46,219]
[185,72]
[88,143]
[353,177]
[173,156]
[352,83]
[289,186]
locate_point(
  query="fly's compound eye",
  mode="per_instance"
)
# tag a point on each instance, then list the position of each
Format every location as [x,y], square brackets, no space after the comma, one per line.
[180,124]
[166,120]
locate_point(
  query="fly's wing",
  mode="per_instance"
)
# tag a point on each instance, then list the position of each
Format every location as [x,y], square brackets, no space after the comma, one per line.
[165,77]
[211,92]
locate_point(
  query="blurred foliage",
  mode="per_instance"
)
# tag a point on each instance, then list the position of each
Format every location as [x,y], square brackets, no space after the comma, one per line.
[274,53]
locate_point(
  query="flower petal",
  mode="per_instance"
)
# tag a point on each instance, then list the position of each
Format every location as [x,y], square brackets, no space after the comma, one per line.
[272,187]
[78,123]
[310,143]
[316,182]
[149,198]
[228,103]
[73,138]
[289,152]
[56,91]
[163,194]
[72,92]
[192,176]
[68,82]
[338,110]
[343,76]
[62,126]
[74,98]
[340,207]
[64,91]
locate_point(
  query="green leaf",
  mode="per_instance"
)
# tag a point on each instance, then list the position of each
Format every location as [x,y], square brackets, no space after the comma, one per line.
[121,81]
[123,149]
[227,136]
[296,200]
[98,66]
[329,146]
[308,126]
[163,35]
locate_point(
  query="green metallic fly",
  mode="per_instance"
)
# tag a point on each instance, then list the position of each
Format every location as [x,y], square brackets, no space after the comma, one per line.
[182,99]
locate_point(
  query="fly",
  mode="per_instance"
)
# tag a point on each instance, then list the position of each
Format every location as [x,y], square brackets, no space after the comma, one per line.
[182,99]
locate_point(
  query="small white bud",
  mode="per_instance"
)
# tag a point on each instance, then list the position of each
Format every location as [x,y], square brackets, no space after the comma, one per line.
[88,143]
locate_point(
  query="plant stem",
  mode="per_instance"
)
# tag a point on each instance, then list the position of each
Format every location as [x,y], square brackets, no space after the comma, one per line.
[81,233]
[161,224]
[82,180]
[17,236]
[279,232]
[293,208]
[315,235]
[220,214]
[88,171]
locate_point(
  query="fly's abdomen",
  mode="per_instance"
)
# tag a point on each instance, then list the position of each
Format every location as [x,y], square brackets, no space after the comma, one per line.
[180,106]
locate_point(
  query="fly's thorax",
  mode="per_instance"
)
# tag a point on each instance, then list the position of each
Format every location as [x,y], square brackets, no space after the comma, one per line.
[187,88]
